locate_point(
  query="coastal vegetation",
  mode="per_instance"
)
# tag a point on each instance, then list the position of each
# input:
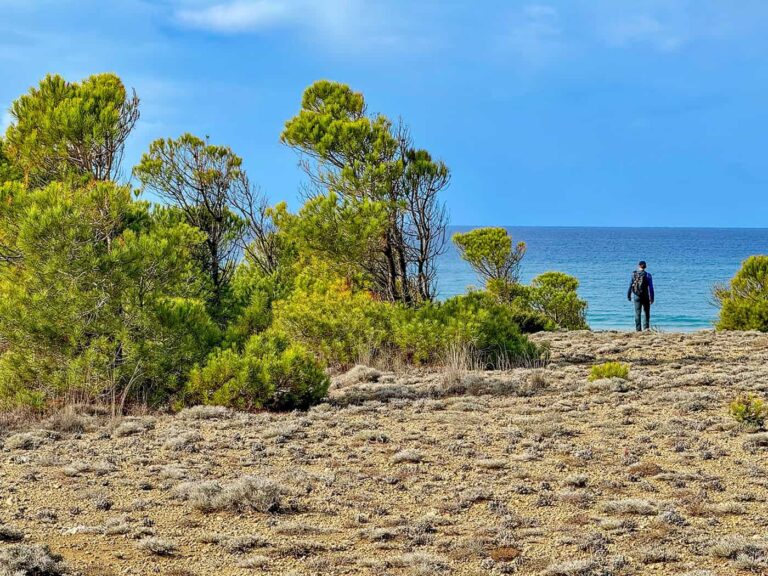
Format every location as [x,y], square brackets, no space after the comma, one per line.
[744,301]
[749,409]
[609,370]
[214,296]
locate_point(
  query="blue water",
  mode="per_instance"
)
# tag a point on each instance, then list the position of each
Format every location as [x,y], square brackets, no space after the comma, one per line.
[685,262]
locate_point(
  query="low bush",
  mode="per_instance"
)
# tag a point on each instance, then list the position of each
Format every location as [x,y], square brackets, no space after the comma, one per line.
[488,328]
[337,322]
[554,296]
[157,546]
[241,495]
[609,370]
[744,302]
[269,373]
[342,324]
[748,409]
[10,534]
[551,301]
[30,559]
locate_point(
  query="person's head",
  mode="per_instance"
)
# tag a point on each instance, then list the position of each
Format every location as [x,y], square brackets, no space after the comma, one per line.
[641,264]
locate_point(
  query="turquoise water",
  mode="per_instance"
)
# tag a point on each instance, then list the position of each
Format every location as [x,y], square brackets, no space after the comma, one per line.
[685,262]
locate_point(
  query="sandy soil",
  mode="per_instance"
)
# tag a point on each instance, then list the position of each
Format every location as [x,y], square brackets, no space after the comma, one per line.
[530,471]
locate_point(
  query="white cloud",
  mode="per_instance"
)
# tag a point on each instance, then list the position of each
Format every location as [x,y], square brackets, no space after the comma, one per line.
[535,35]
[644,29]
[336,24]
[240,15]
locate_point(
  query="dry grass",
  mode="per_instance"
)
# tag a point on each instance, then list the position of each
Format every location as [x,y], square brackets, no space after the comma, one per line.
[246,493]
[530,471]
[23,560]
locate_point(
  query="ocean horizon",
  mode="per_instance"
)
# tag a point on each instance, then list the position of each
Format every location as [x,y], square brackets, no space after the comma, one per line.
[686,263]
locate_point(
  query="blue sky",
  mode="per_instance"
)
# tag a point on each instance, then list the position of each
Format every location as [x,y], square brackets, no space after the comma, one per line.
[579,112]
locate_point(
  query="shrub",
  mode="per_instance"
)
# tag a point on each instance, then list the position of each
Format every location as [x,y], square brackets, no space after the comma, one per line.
[531,321]
[157,546]
[205,413]
[342,323]
[749,409]
[744,302]
[550,302]
[475,320]
[609,370]
[67,420]
[21,559]
[630,506]
[29,440]
[243,494]
[490,328]
[183,441]
[333,319]
[553,294]
[10,534]
[102,301]
[732,545]
[408,455]
[269,373]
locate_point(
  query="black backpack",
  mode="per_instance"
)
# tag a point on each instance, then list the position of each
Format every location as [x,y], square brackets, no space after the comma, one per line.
[639,283]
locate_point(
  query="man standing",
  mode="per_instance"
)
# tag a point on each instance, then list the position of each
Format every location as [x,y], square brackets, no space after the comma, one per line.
[641,289]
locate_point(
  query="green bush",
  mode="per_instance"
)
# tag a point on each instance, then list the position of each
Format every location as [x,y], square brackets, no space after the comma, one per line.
[337,322]
[491,253]
[254,294]
[269,373]
[749,409]
[550,302]
[475,320]
[744,302]
[553,295]
[609,370]
[341,324]
[98,300]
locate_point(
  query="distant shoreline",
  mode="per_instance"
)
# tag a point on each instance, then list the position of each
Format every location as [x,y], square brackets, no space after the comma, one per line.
[586,227]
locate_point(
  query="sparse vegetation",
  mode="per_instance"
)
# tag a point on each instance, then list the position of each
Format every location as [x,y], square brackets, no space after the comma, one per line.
[157,546]
[246,493]
[609,370]
[30,560]
[399,473]
[749,409]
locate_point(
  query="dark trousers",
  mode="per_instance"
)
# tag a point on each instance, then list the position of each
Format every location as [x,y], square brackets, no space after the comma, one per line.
[642,305]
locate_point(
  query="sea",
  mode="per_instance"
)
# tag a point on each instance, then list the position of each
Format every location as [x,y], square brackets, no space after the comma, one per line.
[686,264]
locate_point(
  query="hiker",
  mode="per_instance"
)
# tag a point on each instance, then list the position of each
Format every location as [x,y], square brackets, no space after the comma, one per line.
[641,288]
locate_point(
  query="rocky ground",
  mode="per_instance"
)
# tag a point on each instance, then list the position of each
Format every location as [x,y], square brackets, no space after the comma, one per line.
[530,471]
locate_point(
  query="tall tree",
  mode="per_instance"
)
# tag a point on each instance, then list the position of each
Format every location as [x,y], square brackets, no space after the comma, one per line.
[210,186]
[363,157]
[62,130]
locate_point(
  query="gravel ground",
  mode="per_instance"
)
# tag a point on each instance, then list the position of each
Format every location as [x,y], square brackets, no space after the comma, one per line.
[528,471]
